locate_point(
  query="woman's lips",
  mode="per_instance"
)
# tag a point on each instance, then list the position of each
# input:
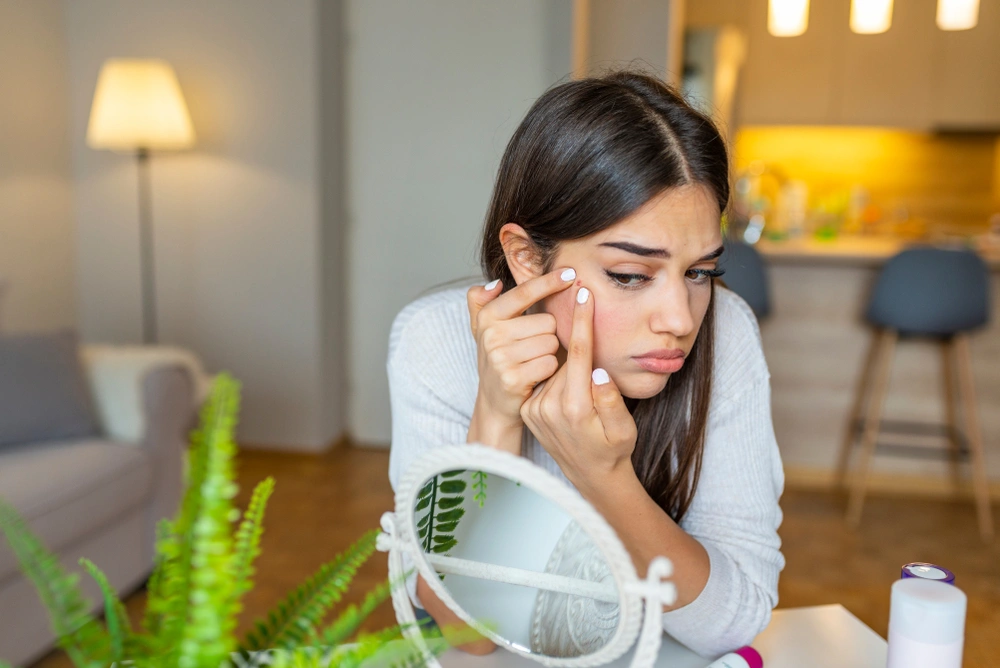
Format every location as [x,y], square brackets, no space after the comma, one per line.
[667,361]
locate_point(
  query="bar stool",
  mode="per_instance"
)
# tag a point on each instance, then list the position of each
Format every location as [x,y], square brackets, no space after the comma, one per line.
[746,275]
[929,293]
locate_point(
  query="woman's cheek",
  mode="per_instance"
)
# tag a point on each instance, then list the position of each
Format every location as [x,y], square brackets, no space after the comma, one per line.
[610,335]
[561,306]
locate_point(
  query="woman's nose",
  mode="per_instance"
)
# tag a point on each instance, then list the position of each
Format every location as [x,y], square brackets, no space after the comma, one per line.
[671,312]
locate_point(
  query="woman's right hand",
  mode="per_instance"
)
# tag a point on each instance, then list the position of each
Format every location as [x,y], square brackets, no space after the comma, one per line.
[515,351]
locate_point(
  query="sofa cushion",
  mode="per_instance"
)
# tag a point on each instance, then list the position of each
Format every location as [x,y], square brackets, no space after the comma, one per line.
[44,393]
[67,489]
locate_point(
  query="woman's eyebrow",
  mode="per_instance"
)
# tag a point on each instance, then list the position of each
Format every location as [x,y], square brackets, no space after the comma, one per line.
[645,251]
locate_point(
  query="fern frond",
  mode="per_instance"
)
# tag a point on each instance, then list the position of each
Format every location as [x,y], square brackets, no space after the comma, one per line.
[303,610]
[154,585]
[378,645]
[80,635]
[207,631]
[351,619]
[115,616]
[247,544]
[479,486]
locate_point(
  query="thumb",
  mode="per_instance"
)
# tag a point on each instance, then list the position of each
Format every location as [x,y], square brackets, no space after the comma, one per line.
[619,427]
[479,296]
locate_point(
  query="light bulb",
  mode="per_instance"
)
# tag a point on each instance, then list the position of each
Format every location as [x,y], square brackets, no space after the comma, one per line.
[787,18]
[870,17]
[957,14]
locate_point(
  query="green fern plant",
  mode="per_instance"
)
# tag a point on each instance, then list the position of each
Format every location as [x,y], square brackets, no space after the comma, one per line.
[202,570]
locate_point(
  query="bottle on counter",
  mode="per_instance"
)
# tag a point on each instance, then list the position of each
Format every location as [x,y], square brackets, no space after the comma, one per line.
[926,624]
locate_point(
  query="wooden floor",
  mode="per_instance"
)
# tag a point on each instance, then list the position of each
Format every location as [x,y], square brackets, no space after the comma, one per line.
[322,503]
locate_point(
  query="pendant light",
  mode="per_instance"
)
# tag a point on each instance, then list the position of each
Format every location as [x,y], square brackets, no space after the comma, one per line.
[787,18]
[871,17]
[957,14]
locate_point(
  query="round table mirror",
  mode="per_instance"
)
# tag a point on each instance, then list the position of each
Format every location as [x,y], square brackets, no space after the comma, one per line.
[522,558]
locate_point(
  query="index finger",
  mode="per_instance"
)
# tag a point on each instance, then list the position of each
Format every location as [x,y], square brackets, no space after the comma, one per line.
[580,353]
[520,298]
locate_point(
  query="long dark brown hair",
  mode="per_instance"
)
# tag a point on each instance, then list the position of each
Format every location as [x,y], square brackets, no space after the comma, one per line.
[588,154]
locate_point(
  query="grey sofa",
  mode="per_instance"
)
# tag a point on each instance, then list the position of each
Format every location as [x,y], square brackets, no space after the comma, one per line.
[98,498]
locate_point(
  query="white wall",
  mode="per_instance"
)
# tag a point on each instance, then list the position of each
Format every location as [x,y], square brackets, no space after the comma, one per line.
[435,89]
[36,221]
[630,33]
[237,219]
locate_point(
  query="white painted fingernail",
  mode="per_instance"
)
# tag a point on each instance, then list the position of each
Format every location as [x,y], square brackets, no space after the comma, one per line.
[492,284]
[600,377]
[582,296]
[568,274]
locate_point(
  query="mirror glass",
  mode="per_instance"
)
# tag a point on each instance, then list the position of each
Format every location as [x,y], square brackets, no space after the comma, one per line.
[517,563]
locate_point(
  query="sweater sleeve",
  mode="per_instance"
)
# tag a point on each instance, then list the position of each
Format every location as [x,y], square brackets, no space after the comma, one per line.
[735,513]
[425,367]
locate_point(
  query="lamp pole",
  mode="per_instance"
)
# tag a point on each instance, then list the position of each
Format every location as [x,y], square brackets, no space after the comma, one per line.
[146,248]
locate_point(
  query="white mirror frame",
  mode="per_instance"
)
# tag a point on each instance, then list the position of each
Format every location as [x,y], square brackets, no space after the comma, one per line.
[399,537]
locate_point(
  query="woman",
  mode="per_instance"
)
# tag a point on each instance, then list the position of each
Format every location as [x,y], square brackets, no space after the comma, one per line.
[602,350]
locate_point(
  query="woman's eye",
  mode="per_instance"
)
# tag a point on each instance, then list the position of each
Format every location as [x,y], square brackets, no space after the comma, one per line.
[704,275]
[627,281]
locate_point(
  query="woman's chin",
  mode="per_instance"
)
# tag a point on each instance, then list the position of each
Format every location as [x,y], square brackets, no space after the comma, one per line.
[643,385]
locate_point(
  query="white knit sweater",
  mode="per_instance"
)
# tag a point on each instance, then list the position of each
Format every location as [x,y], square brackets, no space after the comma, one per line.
[433,380]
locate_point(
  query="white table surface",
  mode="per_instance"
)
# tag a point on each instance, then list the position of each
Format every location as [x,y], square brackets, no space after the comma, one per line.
[825,636]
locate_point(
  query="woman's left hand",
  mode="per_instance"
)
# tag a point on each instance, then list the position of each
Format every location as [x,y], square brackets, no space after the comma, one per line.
[579,416]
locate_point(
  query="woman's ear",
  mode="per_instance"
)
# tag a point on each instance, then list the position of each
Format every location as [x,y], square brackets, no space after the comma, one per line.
[523,258]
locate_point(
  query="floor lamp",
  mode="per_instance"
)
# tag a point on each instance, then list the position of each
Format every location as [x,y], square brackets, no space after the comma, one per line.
[138,107]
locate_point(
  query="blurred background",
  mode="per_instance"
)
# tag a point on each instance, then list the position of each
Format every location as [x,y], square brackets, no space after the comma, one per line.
[327,161]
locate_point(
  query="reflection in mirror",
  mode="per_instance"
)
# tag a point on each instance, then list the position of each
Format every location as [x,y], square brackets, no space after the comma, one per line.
[517,563]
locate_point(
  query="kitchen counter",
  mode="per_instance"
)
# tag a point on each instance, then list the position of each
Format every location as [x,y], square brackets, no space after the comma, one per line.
[864,251]
[815,341]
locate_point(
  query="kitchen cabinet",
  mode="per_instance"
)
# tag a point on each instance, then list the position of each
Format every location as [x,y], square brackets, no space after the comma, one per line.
[913,76]
[967,74]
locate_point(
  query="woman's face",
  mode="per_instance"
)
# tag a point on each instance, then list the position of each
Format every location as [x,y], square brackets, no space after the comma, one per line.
[651,280]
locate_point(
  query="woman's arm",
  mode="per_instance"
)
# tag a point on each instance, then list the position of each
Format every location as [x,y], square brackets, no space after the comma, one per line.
[648,532]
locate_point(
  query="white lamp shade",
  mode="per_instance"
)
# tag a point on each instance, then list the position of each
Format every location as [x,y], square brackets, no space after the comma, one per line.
[957,14]
[787,18]
[871,17]
[138,104]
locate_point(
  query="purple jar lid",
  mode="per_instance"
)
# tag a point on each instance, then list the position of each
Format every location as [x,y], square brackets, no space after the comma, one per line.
[924,571]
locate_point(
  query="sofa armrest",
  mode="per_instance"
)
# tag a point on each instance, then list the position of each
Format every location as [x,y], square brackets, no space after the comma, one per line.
[117,375]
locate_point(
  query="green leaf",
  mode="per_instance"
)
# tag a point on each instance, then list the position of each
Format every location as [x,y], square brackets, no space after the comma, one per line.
[206,632]
[452,487]
[440,538]
[115,616]
[452,474]
[422,532]
[351,619]
[444,547]
[426,489]
[422,504]
[424,520]
[80,635]
[446,527]
[451,515]
[247,544]
[449,502]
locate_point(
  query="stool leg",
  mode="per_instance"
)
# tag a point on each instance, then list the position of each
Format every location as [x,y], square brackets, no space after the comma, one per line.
[974,436]
[950,401]
[883,367]
[857,411]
